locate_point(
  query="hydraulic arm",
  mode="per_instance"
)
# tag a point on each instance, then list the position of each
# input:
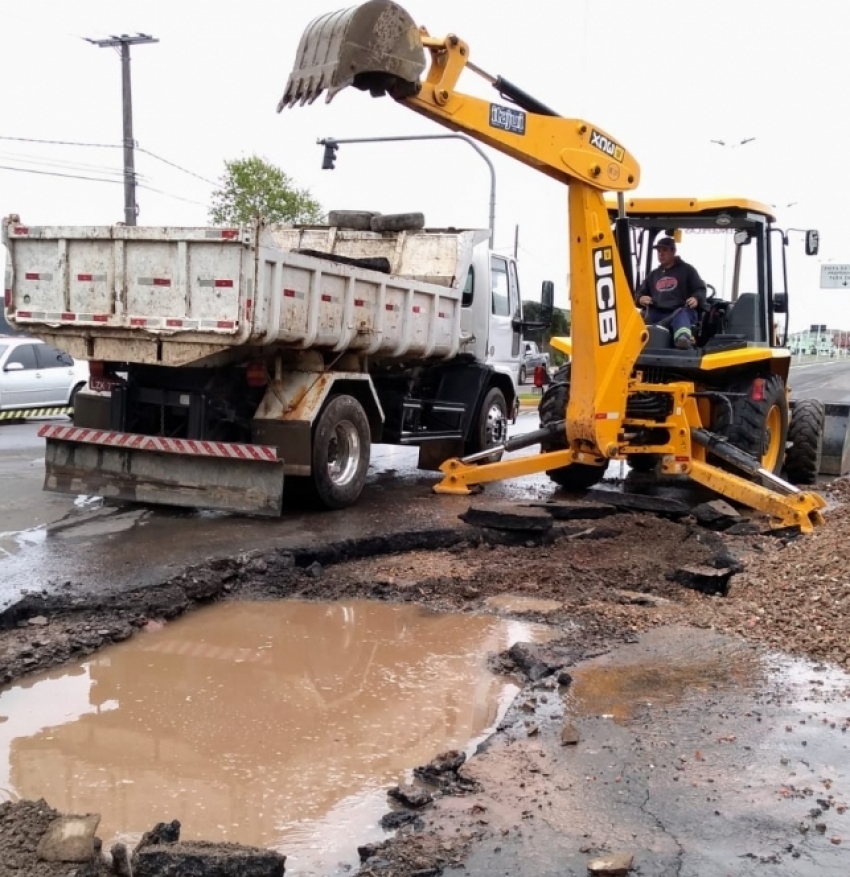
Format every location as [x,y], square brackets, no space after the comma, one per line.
[377,47]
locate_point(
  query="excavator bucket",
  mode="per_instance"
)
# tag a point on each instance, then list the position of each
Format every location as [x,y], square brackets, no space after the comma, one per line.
[375,46]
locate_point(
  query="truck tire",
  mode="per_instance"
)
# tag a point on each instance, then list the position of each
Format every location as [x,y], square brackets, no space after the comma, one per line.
[805,435]
[523,374]
[398,222]
[759,428]
[356,220]
[552,408]
[341,447]
[73,395]
[491,427]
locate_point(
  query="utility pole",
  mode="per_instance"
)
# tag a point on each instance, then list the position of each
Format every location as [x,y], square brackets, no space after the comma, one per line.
[124,42]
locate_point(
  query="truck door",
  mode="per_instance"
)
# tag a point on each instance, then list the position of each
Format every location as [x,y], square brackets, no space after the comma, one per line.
[504,344]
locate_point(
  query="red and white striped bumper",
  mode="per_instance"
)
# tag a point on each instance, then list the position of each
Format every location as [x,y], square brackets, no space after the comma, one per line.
[133,442]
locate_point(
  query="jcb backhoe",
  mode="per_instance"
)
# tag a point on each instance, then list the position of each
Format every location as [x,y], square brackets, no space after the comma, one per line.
[709,413]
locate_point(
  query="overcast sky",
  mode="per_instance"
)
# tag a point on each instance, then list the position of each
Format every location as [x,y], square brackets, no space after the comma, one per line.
[664,78]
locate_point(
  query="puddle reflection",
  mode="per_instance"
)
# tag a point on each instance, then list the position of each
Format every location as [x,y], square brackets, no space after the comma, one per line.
[272,724]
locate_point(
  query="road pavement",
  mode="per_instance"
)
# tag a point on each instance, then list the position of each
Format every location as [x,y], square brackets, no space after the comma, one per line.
[47,539]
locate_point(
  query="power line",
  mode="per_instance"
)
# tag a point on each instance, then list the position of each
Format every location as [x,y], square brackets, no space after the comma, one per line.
[64,142]
[37,160]
[169,195]
[177,166]
[23,170]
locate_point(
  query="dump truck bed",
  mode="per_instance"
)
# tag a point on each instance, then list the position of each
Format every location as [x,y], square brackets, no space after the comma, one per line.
[175,296]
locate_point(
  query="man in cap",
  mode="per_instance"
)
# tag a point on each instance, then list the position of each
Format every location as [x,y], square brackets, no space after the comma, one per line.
[672,290]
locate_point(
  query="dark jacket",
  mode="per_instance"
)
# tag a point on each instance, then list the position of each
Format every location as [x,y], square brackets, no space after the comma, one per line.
[671,287]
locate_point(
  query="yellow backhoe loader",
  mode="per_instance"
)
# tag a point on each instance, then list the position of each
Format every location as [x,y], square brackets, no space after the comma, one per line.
[718,414]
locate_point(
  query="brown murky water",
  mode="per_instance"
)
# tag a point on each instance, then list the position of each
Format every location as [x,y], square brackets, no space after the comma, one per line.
[672,666]
[273,724]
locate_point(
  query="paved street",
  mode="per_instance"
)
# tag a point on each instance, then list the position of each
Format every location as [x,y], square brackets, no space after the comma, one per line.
[47,539]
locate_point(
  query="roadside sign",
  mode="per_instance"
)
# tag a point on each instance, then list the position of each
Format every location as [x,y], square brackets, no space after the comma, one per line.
[835,276]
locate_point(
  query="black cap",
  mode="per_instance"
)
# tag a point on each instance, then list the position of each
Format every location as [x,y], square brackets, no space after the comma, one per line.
[665,242]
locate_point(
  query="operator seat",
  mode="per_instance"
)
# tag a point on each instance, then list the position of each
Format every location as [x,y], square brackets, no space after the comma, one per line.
[744,317]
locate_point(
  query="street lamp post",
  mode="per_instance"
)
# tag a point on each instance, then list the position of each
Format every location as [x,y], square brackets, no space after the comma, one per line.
[722,143]
[331,144]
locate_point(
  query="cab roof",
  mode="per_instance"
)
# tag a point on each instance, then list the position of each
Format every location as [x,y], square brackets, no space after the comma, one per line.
[691,206]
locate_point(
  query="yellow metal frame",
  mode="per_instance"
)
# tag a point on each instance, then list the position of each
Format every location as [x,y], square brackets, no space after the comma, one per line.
[691,206]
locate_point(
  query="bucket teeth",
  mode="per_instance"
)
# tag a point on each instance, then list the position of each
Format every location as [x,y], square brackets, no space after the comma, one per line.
[352,46]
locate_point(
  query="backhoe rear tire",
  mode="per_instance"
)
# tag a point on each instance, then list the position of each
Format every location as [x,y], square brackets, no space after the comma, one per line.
[757,427]
[576,477]
[805,435]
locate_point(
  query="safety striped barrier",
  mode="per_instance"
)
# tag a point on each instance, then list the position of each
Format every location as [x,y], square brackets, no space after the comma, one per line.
[23,413]
[133,442]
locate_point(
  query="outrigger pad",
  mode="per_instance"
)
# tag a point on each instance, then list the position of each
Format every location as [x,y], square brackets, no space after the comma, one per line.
[375,46]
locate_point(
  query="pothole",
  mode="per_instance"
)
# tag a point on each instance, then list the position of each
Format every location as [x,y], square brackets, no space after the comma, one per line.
[277,725]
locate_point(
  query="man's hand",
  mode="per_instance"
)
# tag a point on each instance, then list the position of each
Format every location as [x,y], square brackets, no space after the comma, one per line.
[645,300]
[691,302]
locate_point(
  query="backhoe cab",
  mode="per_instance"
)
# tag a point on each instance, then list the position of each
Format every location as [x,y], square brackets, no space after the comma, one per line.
[718,415]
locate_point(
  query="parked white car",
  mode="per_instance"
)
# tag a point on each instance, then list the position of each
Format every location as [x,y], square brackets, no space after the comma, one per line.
[35,375]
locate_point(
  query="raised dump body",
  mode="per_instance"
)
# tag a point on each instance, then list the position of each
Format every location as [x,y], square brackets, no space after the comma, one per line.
[178,296]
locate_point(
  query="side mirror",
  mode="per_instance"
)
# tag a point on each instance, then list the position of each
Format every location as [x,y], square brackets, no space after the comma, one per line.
[13,367]
[780,303]
[812,242]
[742,237]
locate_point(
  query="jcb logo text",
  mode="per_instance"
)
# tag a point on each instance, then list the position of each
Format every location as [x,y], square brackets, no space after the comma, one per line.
[606,297]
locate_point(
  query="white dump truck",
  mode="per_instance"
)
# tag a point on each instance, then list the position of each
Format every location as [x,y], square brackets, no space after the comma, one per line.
[228,364]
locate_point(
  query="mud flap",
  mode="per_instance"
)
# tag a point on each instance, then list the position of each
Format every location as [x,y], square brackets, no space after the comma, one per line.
[374,46]
[230,485]
[836,440]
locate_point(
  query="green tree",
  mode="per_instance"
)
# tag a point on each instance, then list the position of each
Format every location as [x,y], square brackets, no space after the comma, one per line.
[252,187]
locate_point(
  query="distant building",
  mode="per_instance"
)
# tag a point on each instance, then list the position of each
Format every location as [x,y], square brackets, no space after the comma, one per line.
[819,340]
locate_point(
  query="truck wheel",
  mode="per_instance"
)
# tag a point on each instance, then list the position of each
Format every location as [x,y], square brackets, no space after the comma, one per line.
[356,220]
[552,408]
[492,426]
[523,374]
[759,428]
[341,447]
[398,222]
[805,434]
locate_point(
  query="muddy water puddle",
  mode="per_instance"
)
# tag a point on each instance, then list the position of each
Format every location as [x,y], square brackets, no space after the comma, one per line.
[278,724]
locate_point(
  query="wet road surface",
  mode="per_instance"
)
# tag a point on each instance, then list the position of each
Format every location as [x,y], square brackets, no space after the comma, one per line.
[48,539]
[697,755]
[52,538]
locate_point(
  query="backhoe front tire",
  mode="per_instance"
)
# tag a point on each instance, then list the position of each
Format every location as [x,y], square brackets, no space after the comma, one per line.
[757,427]
[805,435]
[576,477]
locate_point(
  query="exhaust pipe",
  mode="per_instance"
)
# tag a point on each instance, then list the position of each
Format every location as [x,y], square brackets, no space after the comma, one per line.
[375,47]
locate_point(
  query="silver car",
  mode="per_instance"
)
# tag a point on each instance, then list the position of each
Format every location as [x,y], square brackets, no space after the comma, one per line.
[35,375]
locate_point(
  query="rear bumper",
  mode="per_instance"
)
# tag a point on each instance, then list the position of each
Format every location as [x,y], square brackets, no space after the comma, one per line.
[148,469]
